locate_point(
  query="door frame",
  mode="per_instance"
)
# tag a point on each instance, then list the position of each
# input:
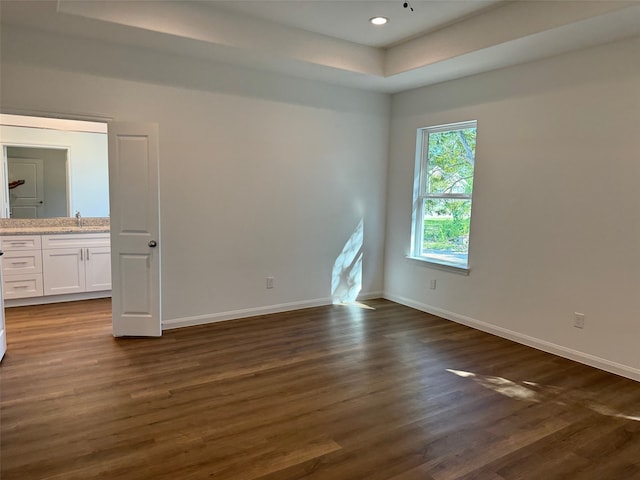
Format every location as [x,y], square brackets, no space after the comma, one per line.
[106,119]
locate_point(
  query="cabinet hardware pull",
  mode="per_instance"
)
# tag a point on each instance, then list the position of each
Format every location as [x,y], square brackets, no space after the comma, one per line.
[81,250]
[87,254]
[21,286]
[18,263]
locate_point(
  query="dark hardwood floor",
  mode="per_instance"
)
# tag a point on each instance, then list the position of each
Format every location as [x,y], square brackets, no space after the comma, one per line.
[325,393]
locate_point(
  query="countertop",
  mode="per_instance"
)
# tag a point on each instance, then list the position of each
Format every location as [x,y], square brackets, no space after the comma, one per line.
[52,226]
[52,230]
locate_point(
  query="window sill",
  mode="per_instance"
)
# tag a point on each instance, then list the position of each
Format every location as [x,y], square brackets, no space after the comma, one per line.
[440,265]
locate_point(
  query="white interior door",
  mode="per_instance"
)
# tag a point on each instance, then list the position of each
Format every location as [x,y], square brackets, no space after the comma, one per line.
[26,187]
[4,175]
[3,335]
[135,229]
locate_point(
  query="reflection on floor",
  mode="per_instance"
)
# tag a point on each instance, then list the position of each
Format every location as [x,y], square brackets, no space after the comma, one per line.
[534,392]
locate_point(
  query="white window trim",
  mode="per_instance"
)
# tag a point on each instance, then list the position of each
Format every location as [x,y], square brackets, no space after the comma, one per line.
[419,197]
[440,265]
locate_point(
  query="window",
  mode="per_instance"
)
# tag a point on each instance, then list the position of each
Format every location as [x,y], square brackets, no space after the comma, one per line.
[442,194]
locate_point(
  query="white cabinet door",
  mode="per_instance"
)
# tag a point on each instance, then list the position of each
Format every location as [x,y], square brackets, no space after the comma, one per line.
[97,262]
[63,270]
[3,335]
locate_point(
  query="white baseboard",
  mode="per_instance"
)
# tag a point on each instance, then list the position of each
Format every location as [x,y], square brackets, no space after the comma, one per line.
[69,297]
[243,313]
[585,358]
[370,296]
[256,311]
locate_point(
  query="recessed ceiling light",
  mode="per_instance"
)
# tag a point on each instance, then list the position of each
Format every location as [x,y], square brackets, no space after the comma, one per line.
[379,20]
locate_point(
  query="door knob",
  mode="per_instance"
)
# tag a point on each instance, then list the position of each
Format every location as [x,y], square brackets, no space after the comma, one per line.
[153,244]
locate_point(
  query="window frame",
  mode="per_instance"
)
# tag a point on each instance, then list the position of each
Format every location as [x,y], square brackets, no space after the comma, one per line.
[420,195]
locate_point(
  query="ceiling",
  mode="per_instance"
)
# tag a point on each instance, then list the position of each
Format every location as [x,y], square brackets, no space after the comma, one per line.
[349,20]
[332,40]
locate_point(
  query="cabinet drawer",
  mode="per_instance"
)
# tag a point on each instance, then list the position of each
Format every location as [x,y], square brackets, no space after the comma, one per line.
[71,240]
[22,286]
[22,262]
[21,242]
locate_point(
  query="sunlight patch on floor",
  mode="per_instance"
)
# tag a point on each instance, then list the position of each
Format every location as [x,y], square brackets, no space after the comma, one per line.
[534,392]
[355,304]
[501,385]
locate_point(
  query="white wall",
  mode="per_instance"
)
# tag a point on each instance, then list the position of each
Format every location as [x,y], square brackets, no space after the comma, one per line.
[263,174]
[88,162]
[260,174]
[555,226]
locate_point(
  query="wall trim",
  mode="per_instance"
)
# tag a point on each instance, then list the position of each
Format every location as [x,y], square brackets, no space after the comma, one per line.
[549,347]
[370,295]
[26,112]
[255,311]
[243,313]
[67,297]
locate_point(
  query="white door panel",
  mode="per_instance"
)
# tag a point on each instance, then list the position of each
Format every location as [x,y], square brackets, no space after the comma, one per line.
[26,200]
[135,228]
[3,335]
[137,290]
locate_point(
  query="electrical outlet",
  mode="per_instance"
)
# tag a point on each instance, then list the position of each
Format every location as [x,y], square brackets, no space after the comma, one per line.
[578,320]
[432,284]
[269,282]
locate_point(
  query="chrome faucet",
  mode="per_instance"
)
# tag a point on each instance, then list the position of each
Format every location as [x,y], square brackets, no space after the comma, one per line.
[79,218]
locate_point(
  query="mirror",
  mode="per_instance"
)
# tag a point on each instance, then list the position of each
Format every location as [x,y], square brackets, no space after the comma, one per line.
[53,168]
[37,181]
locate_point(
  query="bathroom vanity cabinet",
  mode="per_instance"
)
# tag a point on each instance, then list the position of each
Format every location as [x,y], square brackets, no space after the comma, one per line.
[51,265]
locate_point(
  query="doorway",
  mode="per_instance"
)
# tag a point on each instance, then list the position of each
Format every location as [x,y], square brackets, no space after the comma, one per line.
[131,174]
[51,168]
